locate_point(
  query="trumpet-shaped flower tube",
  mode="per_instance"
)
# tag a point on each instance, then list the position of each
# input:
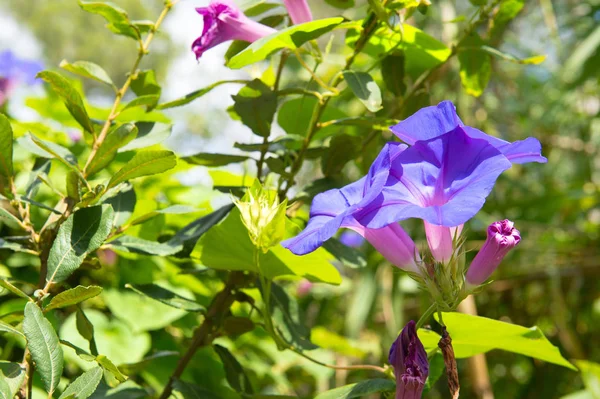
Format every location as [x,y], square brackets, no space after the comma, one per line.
[223,21]
[14,71]
[501,238]
[337,208]
[298,10]
[409,359]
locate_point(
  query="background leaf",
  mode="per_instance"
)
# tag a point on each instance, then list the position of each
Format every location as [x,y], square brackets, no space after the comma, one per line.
[6,154]
[365,88]
[84,385]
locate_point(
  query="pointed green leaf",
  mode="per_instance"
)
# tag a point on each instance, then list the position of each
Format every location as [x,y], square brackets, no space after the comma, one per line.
[7,328]
[235,374]
[146,100]
[212,160]
[88,70]
[590,374]
[141,246]
[149,134]
[145,84]
[192,391]
[44,346]
[256,104]
[9,219]
[188,98]
[167,297]
[135,368]
[290,38]
[109,366]
[359,390]
[6,153]
[12,376]
[85,385]
[365,88]
[73,296]
[144,163]
[70,97]
[116,138]
[83,232]
[5,283]
[50,150]
[289,319]
[474,334]
[85,328]
[118,21]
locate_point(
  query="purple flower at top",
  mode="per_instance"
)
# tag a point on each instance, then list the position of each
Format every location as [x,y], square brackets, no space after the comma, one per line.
[501,238]
[223,21]
[14,70]
[298,10]
[409,359]
[337,208]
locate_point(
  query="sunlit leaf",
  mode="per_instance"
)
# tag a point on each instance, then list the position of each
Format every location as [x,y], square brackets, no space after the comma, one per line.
[117,137]
[73,296]
[6,153]
[144,163]
[88,70]
[84,385]
[359,390]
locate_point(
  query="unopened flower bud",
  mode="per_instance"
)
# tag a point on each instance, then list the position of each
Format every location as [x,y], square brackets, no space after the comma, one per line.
[409,359]
[263,216]
[501,238]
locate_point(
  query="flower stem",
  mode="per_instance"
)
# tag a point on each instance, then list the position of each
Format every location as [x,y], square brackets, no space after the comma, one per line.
[431,310]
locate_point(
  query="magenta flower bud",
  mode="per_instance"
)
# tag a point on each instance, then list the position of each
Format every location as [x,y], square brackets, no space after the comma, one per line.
[409,359]
[223,21]
[501,238]
[441,240]
[394,244]
[299,11]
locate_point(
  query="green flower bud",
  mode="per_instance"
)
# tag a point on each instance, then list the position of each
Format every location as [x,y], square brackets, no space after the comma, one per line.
[263,215]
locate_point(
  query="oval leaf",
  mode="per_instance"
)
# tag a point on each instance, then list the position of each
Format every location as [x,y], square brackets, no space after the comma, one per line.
[116,138]
[167,297]
[88,70]
[73,296]
[85,385]
[359,390]
[6,152]
[365,88]
[44,346]
[70,97]
[82,232]
[208,159]
[144,163]
[12,376]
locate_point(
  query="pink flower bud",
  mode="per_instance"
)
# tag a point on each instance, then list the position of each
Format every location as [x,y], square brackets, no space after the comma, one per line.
[501,238]
[299,11]
[223,21]
[409,359]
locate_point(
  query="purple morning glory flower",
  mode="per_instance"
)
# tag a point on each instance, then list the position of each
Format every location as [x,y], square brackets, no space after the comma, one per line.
[337,208]
[501,238]
[298,10]
[223,21]
[435,121]
[14,70]
[409,359]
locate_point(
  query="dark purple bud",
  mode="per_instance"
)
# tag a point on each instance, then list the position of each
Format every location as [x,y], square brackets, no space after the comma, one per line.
[501,238]
[223,21]
[409,359]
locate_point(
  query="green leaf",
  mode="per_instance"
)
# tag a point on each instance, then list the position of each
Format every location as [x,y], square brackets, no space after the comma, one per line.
[86,329]
[365,88]
[6,154]
[12,376]
[149,134]
[256,104]
[212,160]
[188,98]
[535,60]
[227,246]
[118,21]
[350,257]
[148,100]
[235,374]
[294,117]
[83,232]
[117,137]
[145,84]
[191,233]
[392,71]
[192,391]
[342,149]
[289,38]
[343,4]
[13,246]
[4,283]
[144,163]
[167,297]
[73,296]
[50,150]
[507,10]
[141,246]
[171,210]
[474,334]
[359,390]
[289,319]
[123,205]
[7,328]
[88,70]
[436,369]
[590,374]
[8,218]
[85,385]
[109,366]
[475,66]
[234,326]
[43,344]
[70,97]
